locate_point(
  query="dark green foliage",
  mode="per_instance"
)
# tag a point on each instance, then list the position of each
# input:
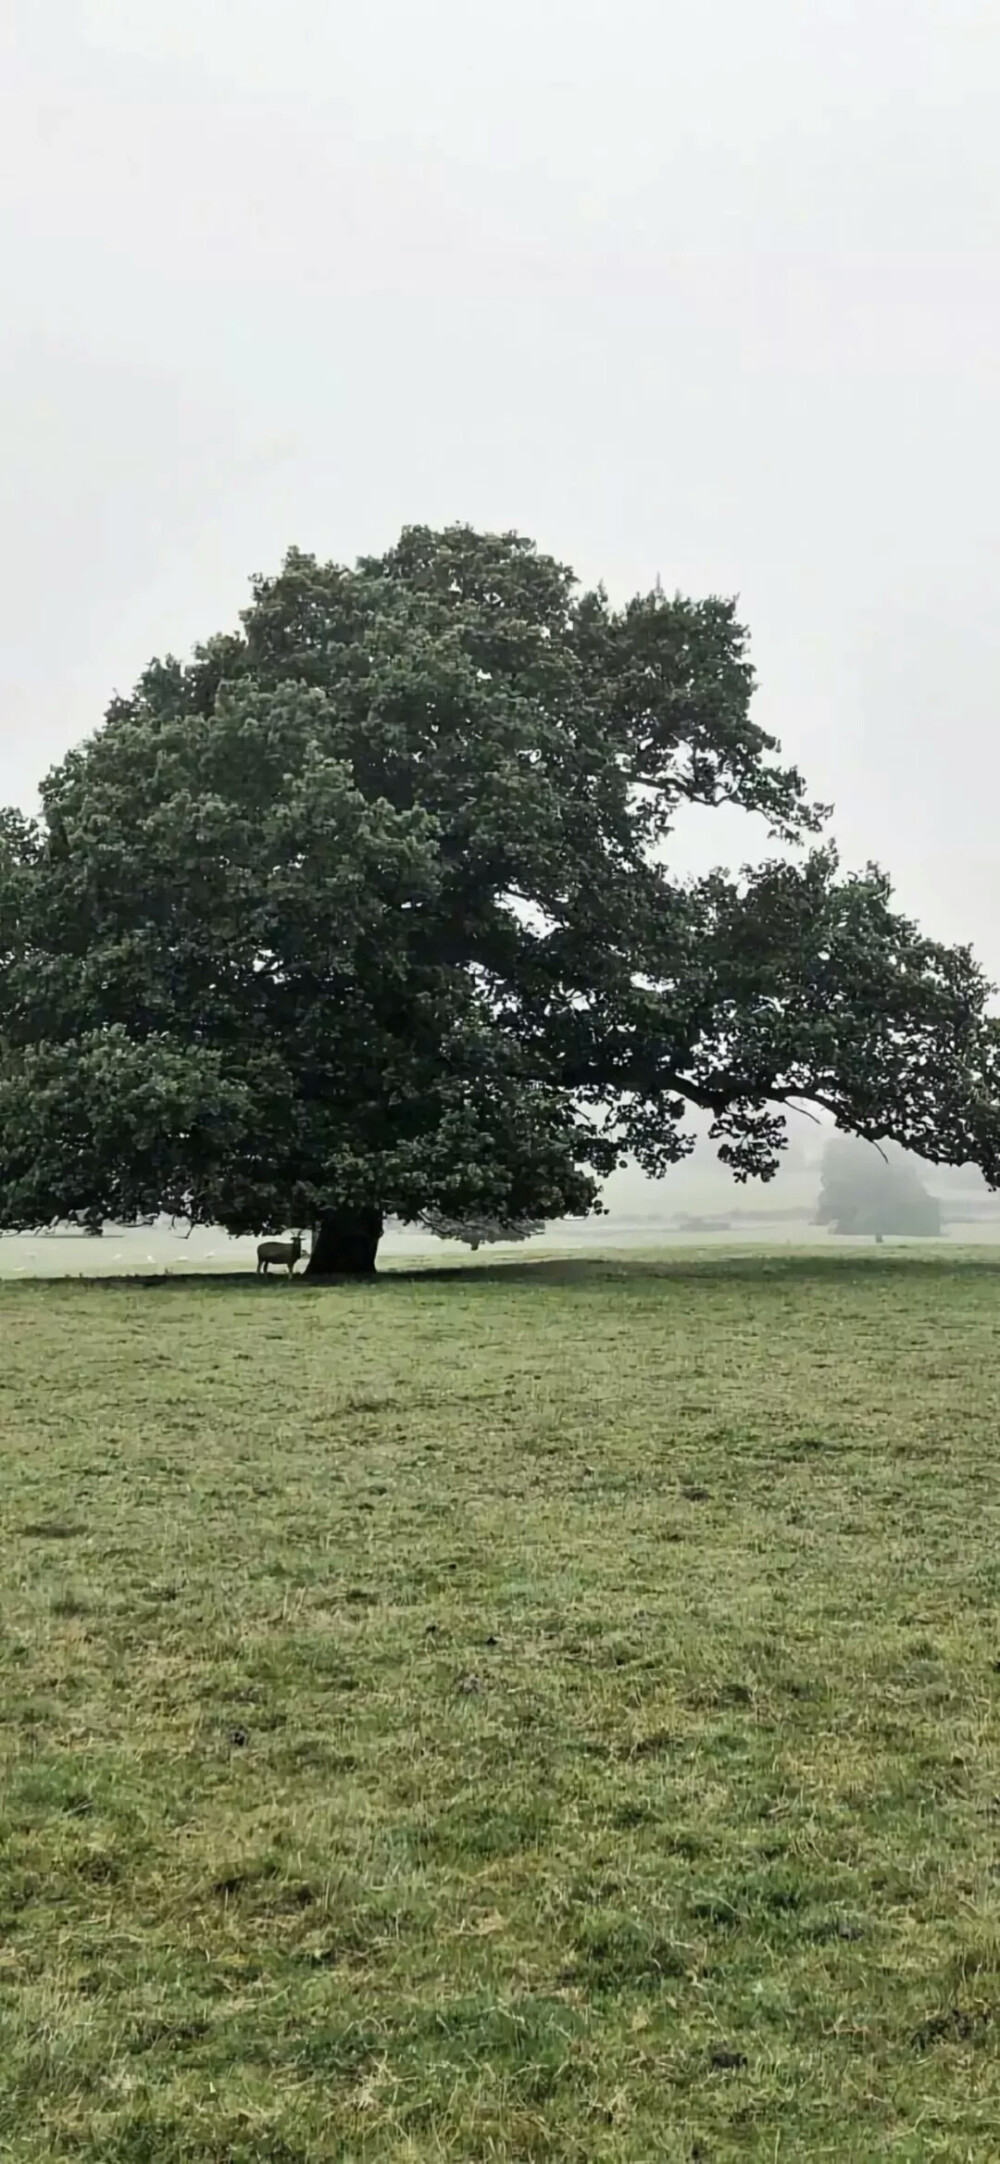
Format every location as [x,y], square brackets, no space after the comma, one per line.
[364,911]
[865,1190]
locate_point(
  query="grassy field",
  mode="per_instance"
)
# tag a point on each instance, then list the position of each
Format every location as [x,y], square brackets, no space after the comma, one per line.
[542,1712]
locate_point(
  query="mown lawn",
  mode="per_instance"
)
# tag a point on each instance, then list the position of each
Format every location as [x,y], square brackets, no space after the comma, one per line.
[535,1713]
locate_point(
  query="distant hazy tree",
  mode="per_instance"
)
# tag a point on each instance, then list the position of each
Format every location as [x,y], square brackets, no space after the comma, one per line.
[864,1191]
[480,1231]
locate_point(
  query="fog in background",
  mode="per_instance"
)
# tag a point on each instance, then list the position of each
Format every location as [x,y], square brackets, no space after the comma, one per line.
[693,288]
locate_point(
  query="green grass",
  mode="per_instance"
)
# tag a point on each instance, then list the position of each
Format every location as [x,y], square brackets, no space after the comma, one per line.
[536,1713]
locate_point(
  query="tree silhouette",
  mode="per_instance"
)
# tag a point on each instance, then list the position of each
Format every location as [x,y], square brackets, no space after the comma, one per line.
[866,1191]
[366,910]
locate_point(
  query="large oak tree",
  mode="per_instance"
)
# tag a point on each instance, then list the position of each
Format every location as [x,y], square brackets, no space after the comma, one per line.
[367,909]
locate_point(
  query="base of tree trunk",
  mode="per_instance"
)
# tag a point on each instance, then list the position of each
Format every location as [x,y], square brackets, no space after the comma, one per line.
[345,1244]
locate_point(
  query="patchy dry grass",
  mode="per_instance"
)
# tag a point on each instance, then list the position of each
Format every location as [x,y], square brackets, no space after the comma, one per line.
[546,1713]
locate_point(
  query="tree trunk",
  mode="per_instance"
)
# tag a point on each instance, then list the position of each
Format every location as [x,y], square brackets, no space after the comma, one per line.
[345,1243]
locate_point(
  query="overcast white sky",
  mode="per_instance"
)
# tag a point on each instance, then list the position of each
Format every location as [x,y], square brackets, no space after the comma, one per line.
[709,288]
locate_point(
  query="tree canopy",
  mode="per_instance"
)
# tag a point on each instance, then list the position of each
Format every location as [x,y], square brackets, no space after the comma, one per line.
[366,909]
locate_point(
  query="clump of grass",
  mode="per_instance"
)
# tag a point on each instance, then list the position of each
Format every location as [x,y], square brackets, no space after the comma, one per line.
[51,1529]
[542,1713]
[70,1604]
